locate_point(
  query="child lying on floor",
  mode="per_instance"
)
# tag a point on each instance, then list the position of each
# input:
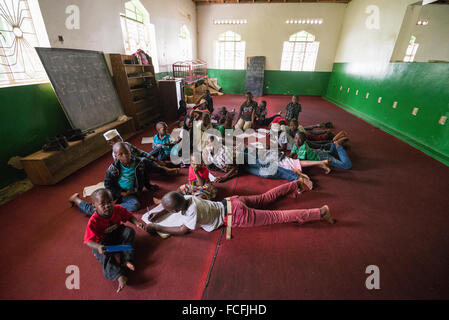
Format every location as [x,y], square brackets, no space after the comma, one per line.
[125,178]
[302,151]
[286,137]
[246,211]
[199,184]
[106,227]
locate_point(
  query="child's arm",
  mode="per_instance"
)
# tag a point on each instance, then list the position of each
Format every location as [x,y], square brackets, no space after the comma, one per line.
[176,231]
[200,180]
[137,223]
[94,245]
[230,174]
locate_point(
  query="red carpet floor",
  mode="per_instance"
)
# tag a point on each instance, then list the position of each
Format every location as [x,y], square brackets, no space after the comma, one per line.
[391,208]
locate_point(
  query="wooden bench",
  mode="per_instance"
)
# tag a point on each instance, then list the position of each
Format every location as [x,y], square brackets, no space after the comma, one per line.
[47,168]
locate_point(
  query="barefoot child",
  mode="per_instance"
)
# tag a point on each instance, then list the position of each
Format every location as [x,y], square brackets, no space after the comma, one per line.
[246,211]
[302,151]
[107,227]
[113,136]
[125,178]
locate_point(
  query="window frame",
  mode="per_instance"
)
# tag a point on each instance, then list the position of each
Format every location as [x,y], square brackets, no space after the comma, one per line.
[300,40]
[235,46]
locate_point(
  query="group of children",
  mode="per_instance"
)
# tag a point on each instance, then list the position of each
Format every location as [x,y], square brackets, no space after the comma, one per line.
[132,168]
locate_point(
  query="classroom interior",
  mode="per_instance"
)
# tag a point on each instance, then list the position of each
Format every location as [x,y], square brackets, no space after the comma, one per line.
[376,69]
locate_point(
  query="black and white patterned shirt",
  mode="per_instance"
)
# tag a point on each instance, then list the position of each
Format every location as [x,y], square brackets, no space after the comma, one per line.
[293,110]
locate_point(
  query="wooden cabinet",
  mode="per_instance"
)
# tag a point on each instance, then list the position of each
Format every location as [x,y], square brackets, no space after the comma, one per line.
[45,168]
[137,89]
[171,92]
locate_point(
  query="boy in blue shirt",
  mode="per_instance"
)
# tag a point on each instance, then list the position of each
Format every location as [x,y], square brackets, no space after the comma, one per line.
[161,143]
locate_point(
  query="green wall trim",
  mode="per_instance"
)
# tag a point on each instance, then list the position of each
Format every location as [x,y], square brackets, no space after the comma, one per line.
[410,85]
[28,116]
[296,82]
[400,135]
[160,75]
[275,81]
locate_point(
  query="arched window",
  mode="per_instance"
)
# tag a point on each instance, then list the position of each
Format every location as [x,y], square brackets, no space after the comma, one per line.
[137,31]
[185,43]
[21,29]
[300,52]
[230,51]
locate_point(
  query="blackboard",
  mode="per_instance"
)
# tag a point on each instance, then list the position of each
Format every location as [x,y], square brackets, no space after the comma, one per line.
[254,75]
[83,85]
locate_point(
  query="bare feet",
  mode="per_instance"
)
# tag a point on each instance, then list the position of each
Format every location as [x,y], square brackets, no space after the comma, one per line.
[326,166]
[156,200]
[130,266]
[304,183]
[341,140]
[326,214]
[339,135]
[75,199]
[121,283]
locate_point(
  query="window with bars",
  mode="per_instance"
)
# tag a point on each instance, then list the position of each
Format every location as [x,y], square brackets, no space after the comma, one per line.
[137,31]
[230,51]
[300,52]
[21,30]
[411,50]
[185,44]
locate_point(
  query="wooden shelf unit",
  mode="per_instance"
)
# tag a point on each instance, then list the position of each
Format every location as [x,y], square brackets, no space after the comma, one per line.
[47,168]
[140,103]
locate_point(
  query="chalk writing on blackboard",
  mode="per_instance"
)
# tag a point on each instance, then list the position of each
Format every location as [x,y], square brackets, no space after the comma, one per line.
[255,75]
[83,85]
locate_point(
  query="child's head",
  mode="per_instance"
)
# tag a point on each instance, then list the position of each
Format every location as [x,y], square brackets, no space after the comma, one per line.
[249,96]
[122,153]
[263,103]
[223,110]
[195,161]
[300,138]
[295,99]
[103,202]
[174,202]
[161,128]
[293,125]
[112,137]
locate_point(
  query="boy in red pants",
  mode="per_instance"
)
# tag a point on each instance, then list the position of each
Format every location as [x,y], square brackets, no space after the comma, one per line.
[246,211]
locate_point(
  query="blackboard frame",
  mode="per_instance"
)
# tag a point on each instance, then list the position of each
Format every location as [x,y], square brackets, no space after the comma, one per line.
[95,117]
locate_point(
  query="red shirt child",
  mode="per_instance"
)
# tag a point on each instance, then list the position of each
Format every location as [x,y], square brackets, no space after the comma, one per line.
[203,172]
[98,226]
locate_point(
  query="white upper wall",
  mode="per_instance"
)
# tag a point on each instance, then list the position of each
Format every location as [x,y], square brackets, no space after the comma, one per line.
[100,27]
[432,38]
[266,29]
[99,24]
[168,17]
[358,43]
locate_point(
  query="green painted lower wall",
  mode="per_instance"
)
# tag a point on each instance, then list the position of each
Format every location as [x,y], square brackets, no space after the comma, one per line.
[28,116]
[275,82]
[411,85]
[160,75]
